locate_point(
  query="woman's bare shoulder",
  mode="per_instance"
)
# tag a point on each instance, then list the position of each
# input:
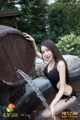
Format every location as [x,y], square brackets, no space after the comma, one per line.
[60,65]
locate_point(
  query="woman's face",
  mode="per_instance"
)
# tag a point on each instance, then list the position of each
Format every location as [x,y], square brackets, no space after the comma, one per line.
[46,54]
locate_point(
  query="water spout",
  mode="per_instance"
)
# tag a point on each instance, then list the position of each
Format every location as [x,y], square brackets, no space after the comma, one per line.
[35,88]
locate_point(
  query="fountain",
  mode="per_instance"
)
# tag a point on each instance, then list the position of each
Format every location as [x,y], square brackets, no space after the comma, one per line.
[35,88]
[15,53]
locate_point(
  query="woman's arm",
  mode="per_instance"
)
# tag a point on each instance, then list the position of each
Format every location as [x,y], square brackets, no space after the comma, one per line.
[28,37]
[62,74]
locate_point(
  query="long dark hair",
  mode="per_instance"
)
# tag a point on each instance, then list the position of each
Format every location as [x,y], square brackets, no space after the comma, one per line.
[56,53]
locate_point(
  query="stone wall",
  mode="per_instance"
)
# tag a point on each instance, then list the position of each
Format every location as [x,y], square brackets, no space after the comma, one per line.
[73,63]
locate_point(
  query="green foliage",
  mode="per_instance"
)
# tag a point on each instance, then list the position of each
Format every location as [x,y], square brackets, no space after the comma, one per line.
[7,4]
[69,44]
[58,20]
[5,22]
[74,18]
[39,37]
[64,18]
[68,1]
[35,13]
[22,25]
[44,36]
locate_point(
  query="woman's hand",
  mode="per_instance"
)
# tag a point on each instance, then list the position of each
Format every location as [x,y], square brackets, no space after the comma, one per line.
[28,37]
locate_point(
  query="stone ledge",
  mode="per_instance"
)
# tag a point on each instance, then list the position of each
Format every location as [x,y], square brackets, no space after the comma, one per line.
[73,63]
[30,96]
[75,73]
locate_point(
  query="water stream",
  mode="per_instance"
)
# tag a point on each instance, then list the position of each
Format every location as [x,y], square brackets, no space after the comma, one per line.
[35,88]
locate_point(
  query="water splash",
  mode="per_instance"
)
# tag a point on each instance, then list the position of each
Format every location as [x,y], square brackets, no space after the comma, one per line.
[35,88]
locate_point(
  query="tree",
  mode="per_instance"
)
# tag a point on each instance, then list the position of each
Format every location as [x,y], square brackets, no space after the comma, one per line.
[59,20]
[74,18]
[34,13]
[64,18]
[7,4]
[68,1]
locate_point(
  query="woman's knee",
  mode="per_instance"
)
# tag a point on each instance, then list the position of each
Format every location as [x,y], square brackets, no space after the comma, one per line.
[46,113]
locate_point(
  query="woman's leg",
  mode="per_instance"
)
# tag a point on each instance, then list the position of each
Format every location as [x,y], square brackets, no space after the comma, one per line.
[59,107]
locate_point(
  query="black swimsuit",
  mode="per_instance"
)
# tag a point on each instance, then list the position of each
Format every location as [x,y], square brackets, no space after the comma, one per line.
[53,76]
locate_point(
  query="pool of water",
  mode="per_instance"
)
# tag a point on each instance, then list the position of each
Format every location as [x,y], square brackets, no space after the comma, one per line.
[73,113]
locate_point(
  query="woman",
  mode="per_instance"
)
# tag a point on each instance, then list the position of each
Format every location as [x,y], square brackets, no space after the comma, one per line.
[57,73]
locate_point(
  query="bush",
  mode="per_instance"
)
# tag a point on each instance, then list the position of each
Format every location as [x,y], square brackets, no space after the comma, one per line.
[39,37]
[44,36]
[22,25]
[69,44]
